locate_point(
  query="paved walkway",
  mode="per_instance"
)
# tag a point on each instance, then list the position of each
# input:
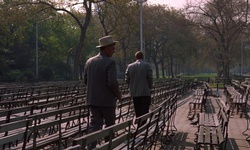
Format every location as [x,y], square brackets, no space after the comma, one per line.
[183,139]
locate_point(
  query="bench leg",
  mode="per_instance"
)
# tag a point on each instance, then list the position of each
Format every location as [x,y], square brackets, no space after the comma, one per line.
[248,121]
[248,138]
[190,105]
[197,146]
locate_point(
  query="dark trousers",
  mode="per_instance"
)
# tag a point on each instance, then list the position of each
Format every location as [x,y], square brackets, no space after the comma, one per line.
[141,105]
[98,117]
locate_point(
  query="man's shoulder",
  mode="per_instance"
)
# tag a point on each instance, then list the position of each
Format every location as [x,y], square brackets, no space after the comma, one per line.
[132,64]
[92,58]
[101,58]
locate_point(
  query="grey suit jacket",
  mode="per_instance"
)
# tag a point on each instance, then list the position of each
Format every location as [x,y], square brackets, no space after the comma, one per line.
[139,77]
[101,80]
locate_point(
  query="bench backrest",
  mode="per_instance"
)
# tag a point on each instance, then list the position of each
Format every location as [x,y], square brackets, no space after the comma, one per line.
[56,121]
[223,116]
[224,124]
[223,107]
[144,125]
[15,114]
[14,133]
[124,108]
[118,134]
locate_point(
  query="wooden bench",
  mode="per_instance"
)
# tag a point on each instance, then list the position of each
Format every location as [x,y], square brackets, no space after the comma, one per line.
[14,134]
[214,119]
[124,109]
[241,103]
[171,114]
[75,147]
[213,134]
[19,113]
[16,114]
[13,104]
[164,120]
[236,99]
[147,127]
[56,127]
[60,103]
[119,135]
[247,125]
[198,100]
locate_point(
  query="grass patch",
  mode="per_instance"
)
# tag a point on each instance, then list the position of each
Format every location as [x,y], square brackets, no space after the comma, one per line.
[214,85]
[203,75]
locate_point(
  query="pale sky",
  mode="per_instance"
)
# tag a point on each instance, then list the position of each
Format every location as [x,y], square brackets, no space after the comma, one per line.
[174,3]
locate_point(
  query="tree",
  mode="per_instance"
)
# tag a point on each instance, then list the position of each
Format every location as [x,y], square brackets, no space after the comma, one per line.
[169,39]
[120,18]
[73,8]
[222,21]
[56,37]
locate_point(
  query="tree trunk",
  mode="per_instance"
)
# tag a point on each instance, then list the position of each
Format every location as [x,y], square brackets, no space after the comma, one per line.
[171,67]
[79,48]
[162,69]
[77,56]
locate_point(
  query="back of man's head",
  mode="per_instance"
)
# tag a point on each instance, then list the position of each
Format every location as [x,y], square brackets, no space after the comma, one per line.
[139,55]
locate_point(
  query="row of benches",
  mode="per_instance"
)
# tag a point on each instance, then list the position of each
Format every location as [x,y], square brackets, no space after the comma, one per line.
[63,123]
[45,128]
[48,120]
[24,95]
[149,128]
[212,128]
[25,91]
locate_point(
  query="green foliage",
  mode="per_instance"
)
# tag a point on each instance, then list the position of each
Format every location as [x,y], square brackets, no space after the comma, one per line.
[12,75]
[18,42]
[214,85]
[168,39]
[203,75]
[46,74]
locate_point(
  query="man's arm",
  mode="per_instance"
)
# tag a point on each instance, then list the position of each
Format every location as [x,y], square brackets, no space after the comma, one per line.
[150,77]
[85,74]
[127,77]
[112,79]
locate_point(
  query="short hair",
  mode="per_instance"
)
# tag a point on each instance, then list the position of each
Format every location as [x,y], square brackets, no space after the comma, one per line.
[139,55]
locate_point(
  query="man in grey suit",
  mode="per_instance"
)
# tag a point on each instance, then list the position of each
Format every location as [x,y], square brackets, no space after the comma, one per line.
[139,77]
[102,86]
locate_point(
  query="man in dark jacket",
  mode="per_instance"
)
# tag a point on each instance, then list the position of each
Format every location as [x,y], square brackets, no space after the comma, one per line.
[102,86]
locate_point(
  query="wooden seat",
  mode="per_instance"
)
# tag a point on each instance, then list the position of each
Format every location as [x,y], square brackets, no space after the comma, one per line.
[212,119]
[213,135]
[198,101]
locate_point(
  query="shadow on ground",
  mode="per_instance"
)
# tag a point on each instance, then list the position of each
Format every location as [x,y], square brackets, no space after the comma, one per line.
[179,142]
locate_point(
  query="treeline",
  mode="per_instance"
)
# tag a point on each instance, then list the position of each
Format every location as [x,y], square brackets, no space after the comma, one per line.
[65,33]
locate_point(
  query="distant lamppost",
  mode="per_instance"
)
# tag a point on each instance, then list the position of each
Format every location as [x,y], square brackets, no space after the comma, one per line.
[37,51]
[241,64]
[37,75]
[141,28]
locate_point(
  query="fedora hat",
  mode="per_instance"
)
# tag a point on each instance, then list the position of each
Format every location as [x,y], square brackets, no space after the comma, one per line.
[105,41]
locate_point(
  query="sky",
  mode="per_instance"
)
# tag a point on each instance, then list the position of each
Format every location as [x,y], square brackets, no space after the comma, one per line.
[173,3]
